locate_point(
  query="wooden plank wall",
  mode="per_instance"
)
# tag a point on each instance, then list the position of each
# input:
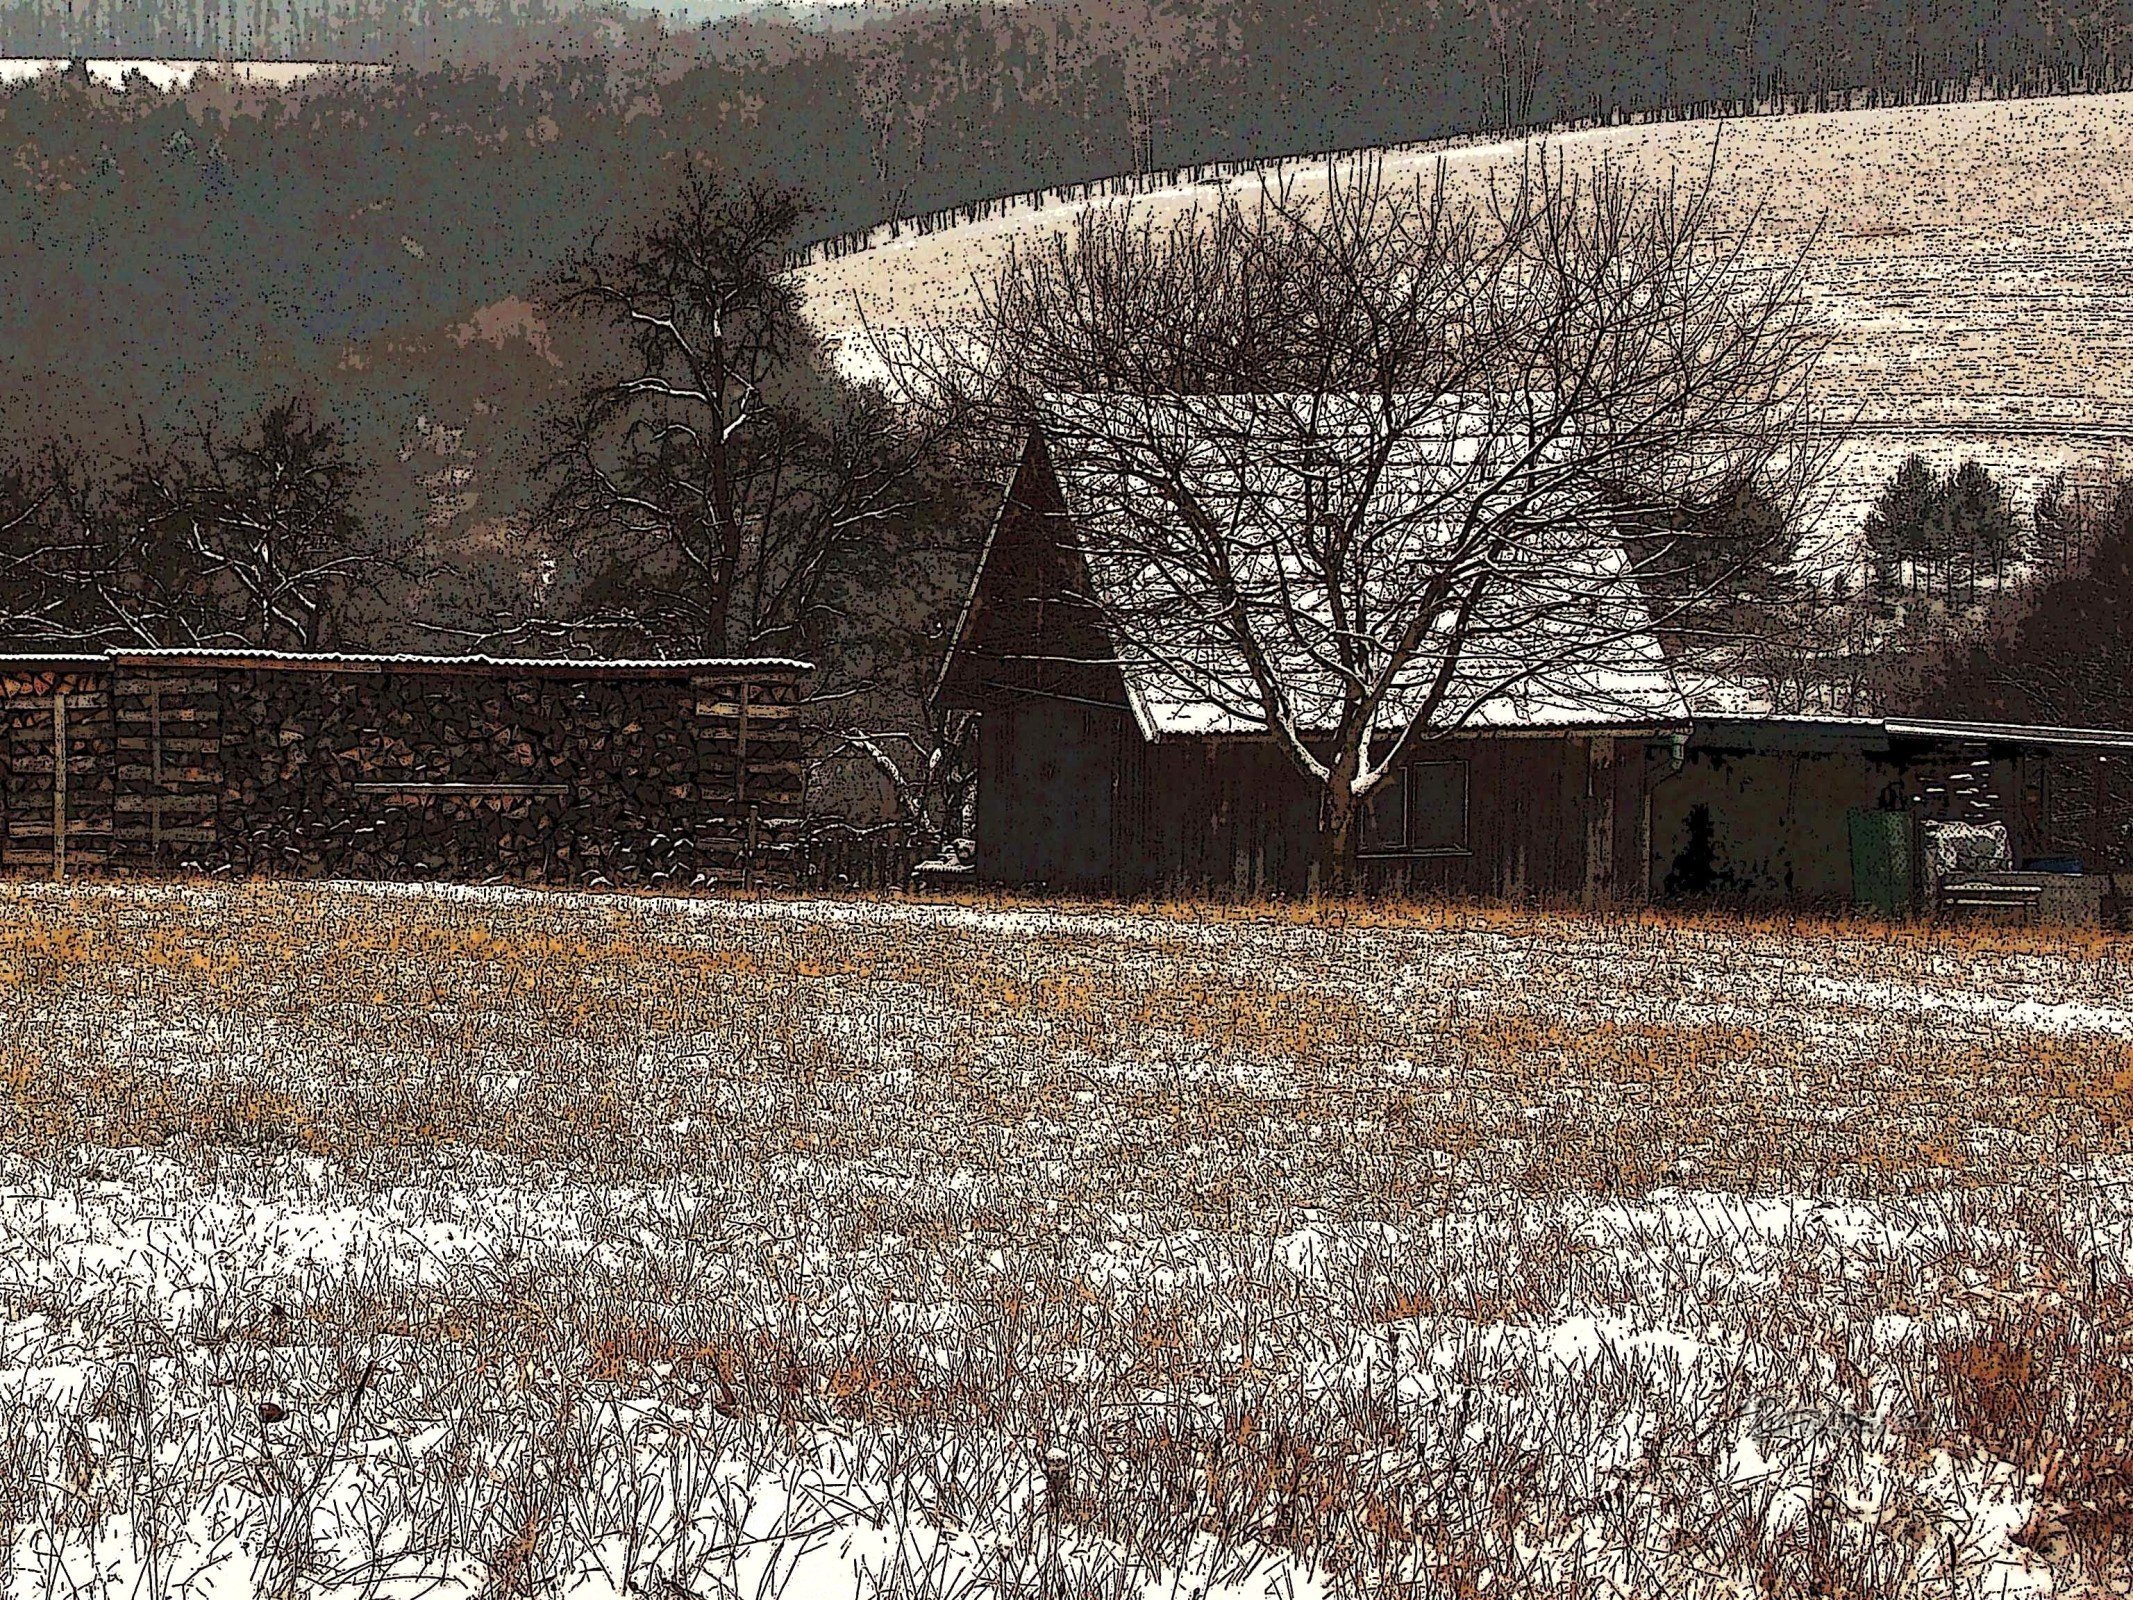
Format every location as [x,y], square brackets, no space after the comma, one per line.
[1233,815]
[33,806]
[1230,815]
[1533,810]
[1050,796]
[168,739]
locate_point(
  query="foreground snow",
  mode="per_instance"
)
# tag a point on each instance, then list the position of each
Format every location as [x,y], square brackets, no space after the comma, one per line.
[949,1250]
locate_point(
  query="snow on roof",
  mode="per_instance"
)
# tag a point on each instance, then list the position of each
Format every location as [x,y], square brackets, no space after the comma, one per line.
[1561,634]
[327,661]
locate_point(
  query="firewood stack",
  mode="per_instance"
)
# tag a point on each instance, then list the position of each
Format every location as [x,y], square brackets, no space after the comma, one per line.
[413,767]
[59,725]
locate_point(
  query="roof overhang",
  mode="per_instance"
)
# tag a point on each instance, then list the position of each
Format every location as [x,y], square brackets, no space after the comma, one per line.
[486,666]
[2011,735]
[1780,735]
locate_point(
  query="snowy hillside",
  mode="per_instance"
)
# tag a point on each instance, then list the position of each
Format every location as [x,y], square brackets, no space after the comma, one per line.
[1975,260]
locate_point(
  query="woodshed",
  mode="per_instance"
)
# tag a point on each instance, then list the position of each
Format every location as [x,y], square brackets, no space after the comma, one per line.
[396,766]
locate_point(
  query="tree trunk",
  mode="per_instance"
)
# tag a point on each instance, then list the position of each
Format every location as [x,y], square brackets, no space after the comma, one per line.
[1337,831]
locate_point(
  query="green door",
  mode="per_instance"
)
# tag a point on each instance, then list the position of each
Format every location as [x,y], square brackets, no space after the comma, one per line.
[1882,872]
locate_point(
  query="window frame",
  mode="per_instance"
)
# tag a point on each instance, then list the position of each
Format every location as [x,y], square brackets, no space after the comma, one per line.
[1406,849]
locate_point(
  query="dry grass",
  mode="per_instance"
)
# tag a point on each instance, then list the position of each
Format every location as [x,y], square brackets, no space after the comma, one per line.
[379,1238]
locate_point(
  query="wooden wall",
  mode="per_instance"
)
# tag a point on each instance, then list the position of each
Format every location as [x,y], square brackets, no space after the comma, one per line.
[1552,820]
[1235,815]
[168,726]
[1029,630]
[1048,794]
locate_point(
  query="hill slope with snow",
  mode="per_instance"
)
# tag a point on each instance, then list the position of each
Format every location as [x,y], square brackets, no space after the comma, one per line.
[1975,261]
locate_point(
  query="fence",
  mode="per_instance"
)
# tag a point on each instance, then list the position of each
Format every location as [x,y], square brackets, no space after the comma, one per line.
[1148,180]
[838,855]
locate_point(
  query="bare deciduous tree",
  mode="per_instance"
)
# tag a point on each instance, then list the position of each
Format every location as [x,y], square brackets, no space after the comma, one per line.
[1353,468]
[930,770]
[248,539]
[214,538]
[64,573]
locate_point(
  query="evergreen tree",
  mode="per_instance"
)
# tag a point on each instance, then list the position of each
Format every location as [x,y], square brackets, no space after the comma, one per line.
[1899,528]
[1949,531]
[2060,528]
[1983,535]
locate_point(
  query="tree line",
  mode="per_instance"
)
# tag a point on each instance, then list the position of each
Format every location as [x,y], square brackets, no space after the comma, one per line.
[218,538]
[1175,75]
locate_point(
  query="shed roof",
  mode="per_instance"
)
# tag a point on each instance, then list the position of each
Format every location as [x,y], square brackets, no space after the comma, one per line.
[2011,735]
[1794,733]
[1563,637]
[482,665]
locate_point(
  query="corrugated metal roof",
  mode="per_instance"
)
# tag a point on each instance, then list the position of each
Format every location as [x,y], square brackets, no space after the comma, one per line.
[2020,733]
[1782,731]
[324,661]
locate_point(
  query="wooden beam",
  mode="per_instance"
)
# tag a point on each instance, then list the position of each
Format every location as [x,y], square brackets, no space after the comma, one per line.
[59,787]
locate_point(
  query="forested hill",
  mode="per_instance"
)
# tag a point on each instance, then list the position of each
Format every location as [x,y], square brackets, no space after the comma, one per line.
[160,248]
[135,225]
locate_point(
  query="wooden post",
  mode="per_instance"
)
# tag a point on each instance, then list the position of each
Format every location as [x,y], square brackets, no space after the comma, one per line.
[740,747]
[59,785]
[2095,863]
[1644,836]
[155,766]
[748,858]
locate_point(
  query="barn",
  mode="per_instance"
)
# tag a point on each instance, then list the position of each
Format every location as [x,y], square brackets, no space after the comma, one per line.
[1093,778]
[390,766]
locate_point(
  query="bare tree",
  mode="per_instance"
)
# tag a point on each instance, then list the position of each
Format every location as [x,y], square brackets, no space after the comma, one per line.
[249,538]
[929,768]
[712,492]
[1354,469]
[65,577]
[213,538]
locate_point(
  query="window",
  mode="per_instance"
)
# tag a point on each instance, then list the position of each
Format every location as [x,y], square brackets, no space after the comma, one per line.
[1420,810]
[1436,807]
[1385,817]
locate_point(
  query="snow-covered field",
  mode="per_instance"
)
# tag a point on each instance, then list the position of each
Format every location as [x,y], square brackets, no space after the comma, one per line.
[112,72]
[405,1242]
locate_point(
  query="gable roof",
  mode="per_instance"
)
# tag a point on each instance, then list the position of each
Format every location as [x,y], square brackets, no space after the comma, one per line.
[1562,636]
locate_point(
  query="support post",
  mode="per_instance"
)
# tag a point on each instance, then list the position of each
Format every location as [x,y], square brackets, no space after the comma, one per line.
[155,767]
[740,746]
[1644,837]
[59,785]
[2097,831]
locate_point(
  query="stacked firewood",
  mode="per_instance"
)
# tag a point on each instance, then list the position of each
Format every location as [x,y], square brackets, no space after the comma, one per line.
[58,724]
[367,770]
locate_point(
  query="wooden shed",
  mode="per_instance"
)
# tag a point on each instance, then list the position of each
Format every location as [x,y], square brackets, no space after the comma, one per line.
[1088,778]
[1088,782]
